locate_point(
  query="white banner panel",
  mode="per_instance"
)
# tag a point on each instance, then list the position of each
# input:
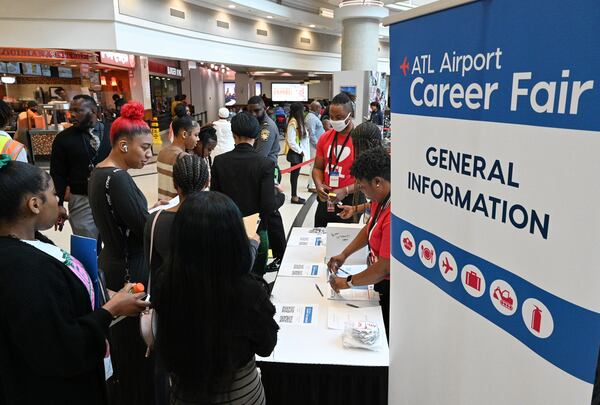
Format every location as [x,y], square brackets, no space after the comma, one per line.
[496,113]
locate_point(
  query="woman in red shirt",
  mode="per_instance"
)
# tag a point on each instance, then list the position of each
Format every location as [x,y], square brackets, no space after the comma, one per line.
[372,172]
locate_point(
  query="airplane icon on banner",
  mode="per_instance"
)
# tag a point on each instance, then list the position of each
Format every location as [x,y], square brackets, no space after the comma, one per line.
[446,265]
[404,66]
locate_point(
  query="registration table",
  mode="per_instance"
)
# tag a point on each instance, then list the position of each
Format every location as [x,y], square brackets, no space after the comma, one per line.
[310,365]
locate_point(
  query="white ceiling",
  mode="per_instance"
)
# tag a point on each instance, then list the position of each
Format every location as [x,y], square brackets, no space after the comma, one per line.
[299,13]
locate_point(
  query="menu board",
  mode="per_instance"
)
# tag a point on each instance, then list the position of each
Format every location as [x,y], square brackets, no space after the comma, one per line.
[2,67]
[46,70]
[32,69]
[14,68]
[65,72]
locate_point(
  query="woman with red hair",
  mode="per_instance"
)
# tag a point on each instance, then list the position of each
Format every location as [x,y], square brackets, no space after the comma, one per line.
[120,211]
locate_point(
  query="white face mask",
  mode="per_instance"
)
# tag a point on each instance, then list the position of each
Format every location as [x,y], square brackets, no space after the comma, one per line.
[339,126]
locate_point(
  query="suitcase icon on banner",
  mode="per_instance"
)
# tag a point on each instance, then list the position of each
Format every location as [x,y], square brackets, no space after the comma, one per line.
[473,280]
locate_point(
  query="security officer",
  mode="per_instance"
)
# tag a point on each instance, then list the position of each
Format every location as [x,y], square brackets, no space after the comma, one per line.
[267,144]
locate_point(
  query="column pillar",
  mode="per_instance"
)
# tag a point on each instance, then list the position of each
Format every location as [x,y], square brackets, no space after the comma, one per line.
[360,35]
[140,82]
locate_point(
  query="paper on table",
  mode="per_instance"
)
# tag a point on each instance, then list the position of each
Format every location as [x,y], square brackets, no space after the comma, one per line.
[251,224]
[307,240]
[354,294]
[295,314]
[347,270]
[302,270]
[337,317]
[172,202]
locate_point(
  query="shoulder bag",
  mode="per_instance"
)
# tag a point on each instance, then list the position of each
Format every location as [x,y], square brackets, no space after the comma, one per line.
[148,318]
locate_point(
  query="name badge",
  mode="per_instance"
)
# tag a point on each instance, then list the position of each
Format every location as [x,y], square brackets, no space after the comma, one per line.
[334,179]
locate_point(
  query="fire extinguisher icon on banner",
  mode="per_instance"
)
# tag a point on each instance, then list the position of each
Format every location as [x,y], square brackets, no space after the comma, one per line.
[536,319]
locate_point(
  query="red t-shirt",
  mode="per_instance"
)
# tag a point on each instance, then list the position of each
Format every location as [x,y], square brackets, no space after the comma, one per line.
[379,238]
[346,157]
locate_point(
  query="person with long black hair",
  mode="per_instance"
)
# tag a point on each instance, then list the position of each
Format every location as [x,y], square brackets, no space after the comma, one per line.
[372,171]
[53,338]
[298,145]
[214,316]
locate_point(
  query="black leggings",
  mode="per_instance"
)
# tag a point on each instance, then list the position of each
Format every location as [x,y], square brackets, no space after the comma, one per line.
[294,180]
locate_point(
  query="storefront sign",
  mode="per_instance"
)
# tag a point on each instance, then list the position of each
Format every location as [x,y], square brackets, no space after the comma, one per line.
[495,165]
[46,54]
[162,68]
[118,59]
[173,71]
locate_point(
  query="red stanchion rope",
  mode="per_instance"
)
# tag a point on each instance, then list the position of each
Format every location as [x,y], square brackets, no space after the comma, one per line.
[298,166]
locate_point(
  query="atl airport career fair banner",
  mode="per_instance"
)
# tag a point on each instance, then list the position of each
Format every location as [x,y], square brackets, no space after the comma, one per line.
[496,204]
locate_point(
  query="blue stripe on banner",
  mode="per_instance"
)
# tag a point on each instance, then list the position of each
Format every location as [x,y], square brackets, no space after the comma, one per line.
[318,241]
[315,270]
[573,343]
[308,314]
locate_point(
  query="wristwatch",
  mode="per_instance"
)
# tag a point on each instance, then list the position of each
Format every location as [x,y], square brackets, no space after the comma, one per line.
[349,281]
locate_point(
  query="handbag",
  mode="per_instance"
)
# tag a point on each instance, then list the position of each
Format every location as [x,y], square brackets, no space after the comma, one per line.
[294,157]
[148,318]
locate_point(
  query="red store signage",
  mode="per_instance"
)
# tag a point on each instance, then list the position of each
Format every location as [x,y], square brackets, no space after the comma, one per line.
[29,53]
[161,68]
[118,59]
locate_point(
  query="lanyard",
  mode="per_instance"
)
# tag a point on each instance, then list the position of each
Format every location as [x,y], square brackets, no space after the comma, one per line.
[334,146]
[383,205]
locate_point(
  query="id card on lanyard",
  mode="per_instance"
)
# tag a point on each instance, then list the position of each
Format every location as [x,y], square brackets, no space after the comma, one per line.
[334,173]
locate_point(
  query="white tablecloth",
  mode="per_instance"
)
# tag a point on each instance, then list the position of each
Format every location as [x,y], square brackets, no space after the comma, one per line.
[317,344]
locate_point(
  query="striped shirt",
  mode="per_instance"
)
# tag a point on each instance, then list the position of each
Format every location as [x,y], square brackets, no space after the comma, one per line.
[164,166]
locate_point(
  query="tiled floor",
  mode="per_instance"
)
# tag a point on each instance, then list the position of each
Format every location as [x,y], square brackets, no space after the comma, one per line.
[146,180]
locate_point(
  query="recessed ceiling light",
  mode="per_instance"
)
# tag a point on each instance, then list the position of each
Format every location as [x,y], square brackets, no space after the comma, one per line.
[231,6]
[312,26]
[269,17]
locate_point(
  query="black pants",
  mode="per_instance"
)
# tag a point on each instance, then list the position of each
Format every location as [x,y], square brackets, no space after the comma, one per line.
[294,181]
[383,288]
[322,217]
[277,240]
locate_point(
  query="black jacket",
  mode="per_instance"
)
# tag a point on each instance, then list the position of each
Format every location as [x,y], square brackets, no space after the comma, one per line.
[248,179]
[71,157]
[52,344]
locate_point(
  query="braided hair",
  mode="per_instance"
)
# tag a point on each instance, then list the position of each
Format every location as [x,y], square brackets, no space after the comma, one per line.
[190,174]
[365,137]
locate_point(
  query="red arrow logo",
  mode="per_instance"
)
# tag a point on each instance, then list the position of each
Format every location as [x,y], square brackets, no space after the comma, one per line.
[404,66]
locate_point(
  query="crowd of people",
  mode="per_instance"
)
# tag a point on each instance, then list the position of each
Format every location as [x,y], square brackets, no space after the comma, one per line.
[201,265]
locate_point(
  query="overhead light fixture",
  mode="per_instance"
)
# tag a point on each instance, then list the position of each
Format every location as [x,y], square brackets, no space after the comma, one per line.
[201,63]
[212,65]
[312,26]
[269,17]
[223,70]
[8,79]
[375,3]
[231,6]
[103,80]
[326,12]
[401,6]
[113,81]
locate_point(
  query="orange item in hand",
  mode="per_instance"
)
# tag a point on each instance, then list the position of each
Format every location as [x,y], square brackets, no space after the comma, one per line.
[137,288]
